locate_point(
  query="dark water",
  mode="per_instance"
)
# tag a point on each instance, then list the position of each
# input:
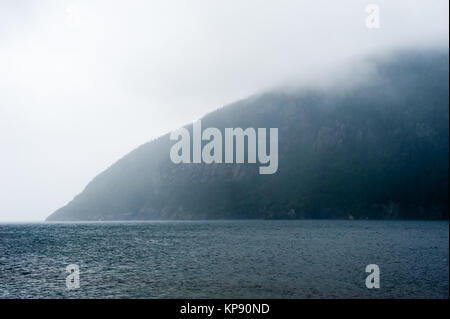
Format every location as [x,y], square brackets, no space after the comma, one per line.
[226,259]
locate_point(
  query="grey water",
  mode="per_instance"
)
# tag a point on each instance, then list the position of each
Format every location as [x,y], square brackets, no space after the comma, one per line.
[225,259]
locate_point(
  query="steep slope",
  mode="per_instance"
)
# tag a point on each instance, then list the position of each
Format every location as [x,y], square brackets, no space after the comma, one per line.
[377,150]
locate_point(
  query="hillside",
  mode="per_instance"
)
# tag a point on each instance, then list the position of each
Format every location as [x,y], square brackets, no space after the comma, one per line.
[377,150]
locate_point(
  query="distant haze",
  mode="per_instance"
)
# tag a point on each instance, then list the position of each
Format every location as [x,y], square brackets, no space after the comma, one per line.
[84,82]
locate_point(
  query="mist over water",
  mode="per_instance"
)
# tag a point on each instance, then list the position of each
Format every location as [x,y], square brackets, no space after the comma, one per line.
[84,82]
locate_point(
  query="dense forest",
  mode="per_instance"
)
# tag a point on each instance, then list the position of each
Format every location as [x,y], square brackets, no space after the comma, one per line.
[378,149]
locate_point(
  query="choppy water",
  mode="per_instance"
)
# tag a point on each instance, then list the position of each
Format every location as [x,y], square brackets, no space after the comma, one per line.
[225,259]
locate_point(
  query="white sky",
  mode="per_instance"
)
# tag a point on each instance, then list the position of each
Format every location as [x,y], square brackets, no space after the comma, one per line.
[82,83]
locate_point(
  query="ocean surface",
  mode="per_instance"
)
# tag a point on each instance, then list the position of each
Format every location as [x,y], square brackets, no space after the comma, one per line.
[225,259]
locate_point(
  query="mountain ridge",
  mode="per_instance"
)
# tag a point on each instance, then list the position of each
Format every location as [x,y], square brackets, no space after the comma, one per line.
[378,151]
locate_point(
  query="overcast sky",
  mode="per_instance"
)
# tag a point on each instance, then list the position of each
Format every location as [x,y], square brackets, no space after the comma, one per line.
[82,83]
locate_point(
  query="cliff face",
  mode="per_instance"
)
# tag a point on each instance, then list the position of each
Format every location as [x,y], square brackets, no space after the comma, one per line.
[378,150]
